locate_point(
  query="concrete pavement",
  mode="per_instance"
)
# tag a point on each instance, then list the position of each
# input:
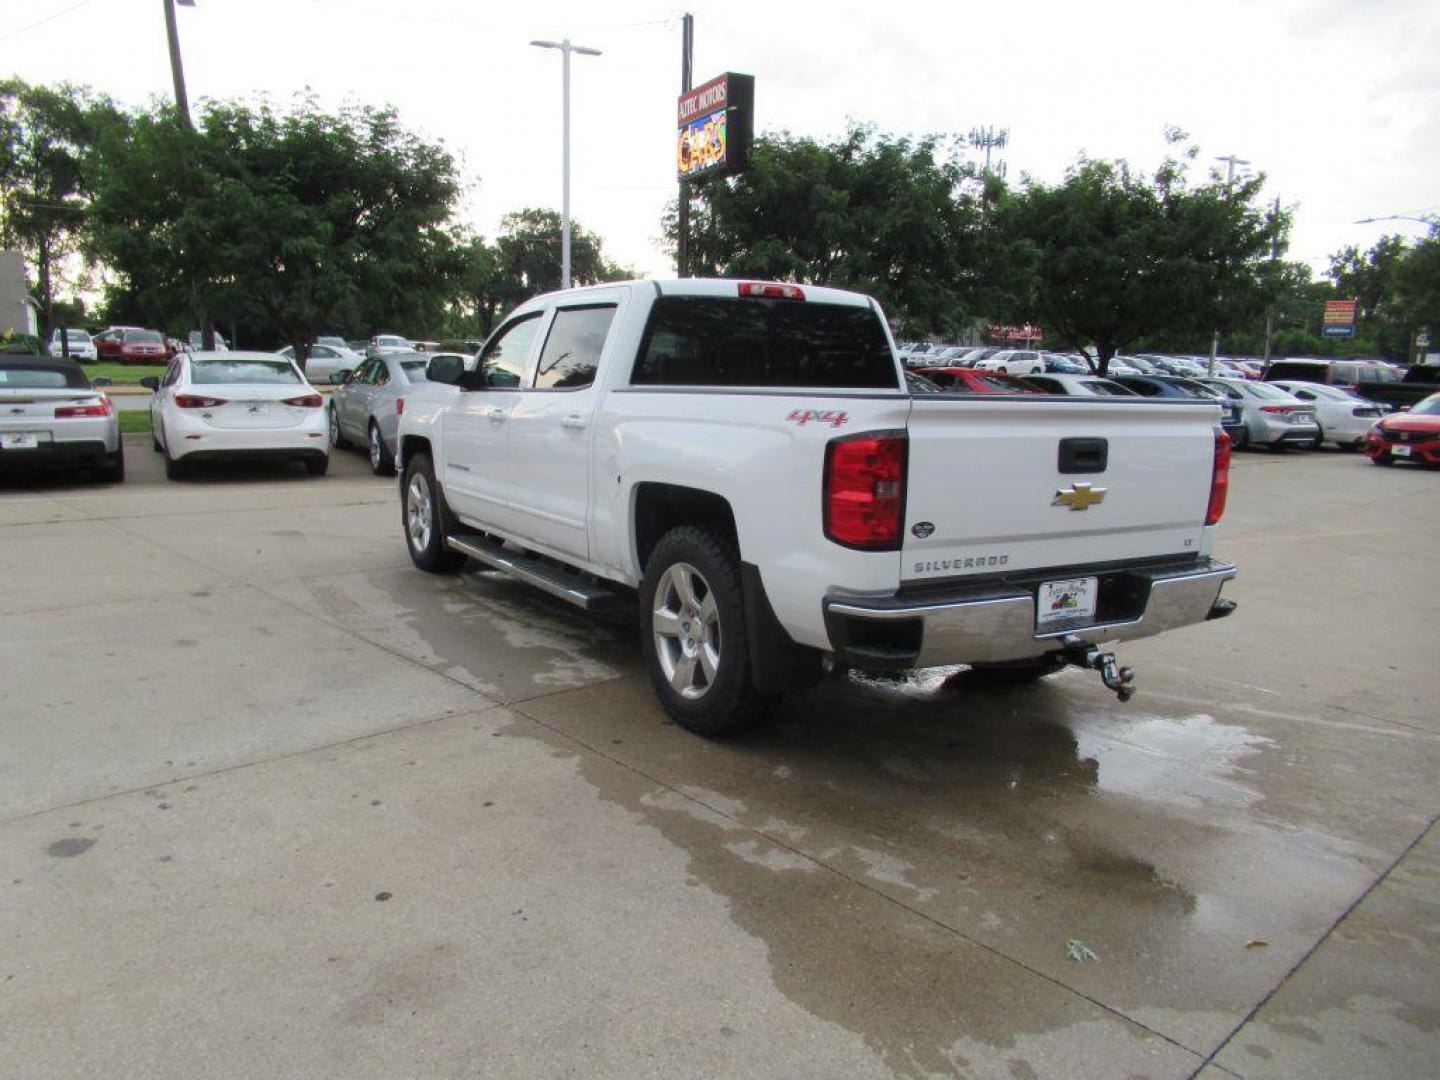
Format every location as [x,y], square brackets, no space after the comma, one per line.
[274,803]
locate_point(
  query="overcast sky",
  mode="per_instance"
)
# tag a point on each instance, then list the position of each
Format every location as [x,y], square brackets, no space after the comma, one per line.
[1337,102]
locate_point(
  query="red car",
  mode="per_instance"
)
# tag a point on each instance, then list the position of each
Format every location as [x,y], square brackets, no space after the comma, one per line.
[133,345]
[1407,436]
[958,380]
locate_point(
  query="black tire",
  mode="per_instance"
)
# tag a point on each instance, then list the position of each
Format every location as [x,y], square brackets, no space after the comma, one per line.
[1383,459]
[317,466]
[728,703]
[427,551]
[381,463]
[1016,672]
[176,469]
[336,438]
[1317,443]
[1241,440]
[113,471]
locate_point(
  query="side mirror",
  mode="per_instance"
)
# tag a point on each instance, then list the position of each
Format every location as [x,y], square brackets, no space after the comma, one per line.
[445,369]
[341,376]
[150,382]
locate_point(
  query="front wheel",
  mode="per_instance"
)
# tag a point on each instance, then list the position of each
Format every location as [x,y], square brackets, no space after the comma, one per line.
[423,514]
[694,637]
[336,439]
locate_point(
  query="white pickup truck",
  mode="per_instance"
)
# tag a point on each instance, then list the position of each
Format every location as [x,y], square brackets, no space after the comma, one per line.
[746,456]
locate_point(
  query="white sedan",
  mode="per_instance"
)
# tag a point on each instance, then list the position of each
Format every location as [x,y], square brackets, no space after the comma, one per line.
[326,361]
[1344,417]
[237,404]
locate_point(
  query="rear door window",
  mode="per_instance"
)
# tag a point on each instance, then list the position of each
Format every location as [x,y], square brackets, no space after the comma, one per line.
[719,341]
[571,355]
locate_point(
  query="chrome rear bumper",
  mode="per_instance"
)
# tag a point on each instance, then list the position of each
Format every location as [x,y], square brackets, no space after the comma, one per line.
[994,621]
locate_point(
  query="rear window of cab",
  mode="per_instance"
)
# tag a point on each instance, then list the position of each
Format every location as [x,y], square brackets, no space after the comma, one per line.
[722,341]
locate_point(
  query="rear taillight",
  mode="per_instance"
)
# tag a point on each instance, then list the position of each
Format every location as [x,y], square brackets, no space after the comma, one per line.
[196,401]
[1280,410]
[762,290]
[98,408]
[864,492]
[306,401]
[1219,479]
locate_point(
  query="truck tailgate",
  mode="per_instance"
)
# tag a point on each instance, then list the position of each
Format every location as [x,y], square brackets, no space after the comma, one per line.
[985,475]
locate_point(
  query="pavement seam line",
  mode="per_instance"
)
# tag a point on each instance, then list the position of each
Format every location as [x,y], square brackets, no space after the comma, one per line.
[254,762]
[866,886]
[1380,879]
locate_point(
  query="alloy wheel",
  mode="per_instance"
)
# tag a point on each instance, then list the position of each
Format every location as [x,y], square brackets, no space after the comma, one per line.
[419,512]
[686,624]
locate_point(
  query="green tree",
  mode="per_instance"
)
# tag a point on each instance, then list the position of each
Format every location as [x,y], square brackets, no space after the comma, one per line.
[289,223]
[48,138]
[529,246]
[1114,257]
[1418,288]
[883,214]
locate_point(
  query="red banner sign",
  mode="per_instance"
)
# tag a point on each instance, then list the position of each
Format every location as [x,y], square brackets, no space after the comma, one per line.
[707,98]
[1340,311]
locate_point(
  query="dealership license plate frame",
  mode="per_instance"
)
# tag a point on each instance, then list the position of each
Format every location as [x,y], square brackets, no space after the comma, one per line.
[1075,598]
[19,440]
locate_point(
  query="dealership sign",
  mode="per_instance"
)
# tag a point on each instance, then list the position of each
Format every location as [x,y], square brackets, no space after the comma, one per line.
[1339,319]
[714,124]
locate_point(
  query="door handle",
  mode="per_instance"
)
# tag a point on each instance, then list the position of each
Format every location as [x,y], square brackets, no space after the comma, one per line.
[496,415]
[574,423]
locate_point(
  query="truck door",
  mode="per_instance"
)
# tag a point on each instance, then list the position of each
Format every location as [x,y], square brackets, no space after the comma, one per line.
[477,435]
[550,427]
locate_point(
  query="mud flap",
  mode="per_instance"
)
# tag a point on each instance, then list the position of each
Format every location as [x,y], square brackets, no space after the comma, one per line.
[777,663]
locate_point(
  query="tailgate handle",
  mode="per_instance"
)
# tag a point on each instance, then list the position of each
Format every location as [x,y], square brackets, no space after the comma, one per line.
[1078,456]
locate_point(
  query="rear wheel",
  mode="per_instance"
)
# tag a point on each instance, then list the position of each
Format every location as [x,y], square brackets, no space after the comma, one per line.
[175,468]
[425,518]
[381,463]
[336,439]
[113,471]
[694,636]
[317,466]
[1383,458]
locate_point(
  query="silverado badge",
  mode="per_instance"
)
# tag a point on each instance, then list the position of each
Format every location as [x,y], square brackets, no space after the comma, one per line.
[1078,497]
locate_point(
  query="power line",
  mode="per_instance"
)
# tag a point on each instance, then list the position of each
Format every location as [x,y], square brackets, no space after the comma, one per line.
[46,19]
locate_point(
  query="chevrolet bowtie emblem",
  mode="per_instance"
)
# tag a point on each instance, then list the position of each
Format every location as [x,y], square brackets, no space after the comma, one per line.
[1078,497]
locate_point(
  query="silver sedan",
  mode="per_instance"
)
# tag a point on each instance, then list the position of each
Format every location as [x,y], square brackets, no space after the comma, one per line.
[362,408]
[50,414]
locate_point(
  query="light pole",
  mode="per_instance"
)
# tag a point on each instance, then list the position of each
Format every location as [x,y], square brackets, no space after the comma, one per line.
[565,50]
[1431,220]
[1230,162]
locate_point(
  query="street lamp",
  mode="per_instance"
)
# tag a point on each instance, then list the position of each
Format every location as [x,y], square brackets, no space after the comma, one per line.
[1230,162]
[1430,220]
[565,49]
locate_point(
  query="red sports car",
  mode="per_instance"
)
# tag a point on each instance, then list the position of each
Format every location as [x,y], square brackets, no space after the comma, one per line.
[1407,436]
[958,380]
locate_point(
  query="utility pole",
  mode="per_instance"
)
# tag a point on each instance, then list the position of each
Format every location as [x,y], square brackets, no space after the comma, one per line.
[565,50]
[1230,162]
[1274,257]
[682,220]
[177,69]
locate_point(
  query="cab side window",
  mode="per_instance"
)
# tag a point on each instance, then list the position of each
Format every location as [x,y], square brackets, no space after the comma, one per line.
[571,355]
[502,363]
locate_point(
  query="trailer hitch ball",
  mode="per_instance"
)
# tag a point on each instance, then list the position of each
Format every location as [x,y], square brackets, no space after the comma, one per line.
[1117,678]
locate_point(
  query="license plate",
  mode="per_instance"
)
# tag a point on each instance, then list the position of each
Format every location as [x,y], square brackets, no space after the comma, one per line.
[1062,601]
[19,440]
[1400,451]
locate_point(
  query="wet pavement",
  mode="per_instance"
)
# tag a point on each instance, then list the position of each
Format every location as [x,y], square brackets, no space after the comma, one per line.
[274,803]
